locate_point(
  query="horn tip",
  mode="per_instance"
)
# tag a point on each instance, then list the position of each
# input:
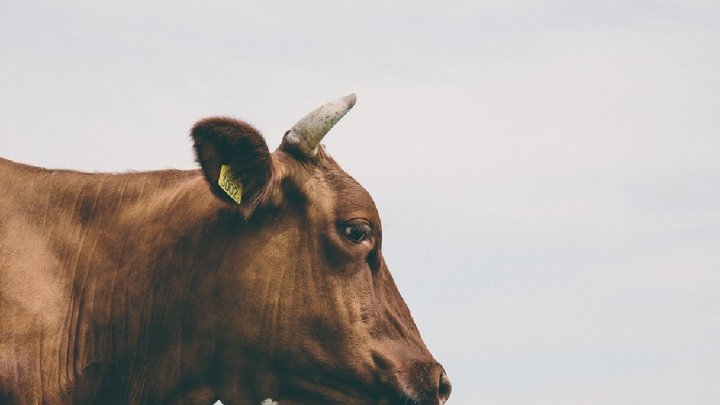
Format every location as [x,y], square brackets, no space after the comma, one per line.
[350,99]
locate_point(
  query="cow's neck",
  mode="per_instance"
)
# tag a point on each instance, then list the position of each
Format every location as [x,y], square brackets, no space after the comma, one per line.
[159,308]
[162,257]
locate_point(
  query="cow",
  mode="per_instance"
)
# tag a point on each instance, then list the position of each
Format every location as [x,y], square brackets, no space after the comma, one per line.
[259,275]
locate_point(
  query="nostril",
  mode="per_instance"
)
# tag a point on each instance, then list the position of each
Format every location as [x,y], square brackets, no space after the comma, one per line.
[445,388]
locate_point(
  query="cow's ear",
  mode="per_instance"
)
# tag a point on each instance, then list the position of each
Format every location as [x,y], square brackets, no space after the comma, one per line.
[235,159]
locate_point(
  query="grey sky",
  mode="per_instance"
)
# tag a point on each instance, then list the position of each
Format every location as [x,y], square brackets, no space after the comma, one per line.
[548,172]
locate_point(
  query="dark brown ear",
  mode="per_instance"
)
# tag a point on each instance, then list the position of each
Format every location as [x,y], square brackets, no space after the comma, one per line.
[222,141]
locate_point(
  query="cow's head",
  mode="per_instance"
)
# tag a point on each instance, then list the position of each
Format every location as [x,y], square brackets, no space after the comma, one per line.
[306,307]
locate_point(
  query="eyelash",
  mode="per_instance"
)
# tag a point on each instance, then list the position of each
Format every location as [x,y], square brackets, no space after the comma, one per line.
[364,231]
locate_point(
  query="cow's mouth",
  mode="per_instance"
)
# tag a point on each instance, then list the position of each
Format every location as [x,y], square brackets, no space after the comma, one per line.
[301,391]
[403,398]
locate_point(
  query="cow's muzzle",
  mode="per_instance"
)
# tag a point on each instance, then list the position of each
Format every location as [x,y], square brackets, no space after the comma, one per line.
[423,384]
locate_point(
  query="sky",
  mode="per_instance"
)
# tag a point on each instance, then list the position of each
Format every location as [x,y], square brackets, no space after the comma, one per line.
[547,172]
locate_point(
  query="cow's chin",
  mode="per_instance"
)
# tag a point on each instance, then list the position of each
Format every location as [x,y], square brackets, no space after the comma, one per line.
[304,392]
[299,392]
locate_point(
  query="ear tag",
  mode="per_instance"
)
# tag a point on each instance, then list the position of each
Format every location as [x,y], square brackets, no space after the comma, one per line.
[232,187]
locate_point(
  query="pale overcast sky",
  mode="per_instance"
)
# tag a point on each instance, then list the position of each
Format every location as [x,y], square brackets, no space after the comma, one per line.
[548,172]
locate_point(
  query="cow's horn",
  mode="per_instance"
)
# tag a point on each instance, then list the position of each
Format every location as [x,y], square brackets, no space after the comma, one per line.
[307,133]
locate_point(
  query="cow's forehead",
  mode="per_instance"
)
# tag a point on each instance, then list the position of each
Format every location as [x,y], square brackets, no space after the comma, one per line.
[351,199]
[325,180]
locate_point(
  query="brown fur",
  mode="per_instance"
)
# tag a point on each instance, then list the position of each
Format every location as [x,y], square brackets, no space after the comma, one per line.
[145,288]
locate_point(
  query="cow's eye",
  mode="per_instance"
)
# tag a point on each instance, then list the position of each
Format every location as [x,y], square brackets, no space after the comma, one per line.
[357,232]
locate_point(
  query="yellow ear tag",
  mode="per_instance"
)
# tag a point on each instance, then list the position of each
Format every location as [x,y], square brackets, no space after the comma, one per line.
[232,187]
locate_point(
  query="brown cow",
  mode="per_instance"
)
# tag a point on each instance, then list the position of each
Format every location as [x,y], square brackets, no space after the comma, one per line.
[153,288]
